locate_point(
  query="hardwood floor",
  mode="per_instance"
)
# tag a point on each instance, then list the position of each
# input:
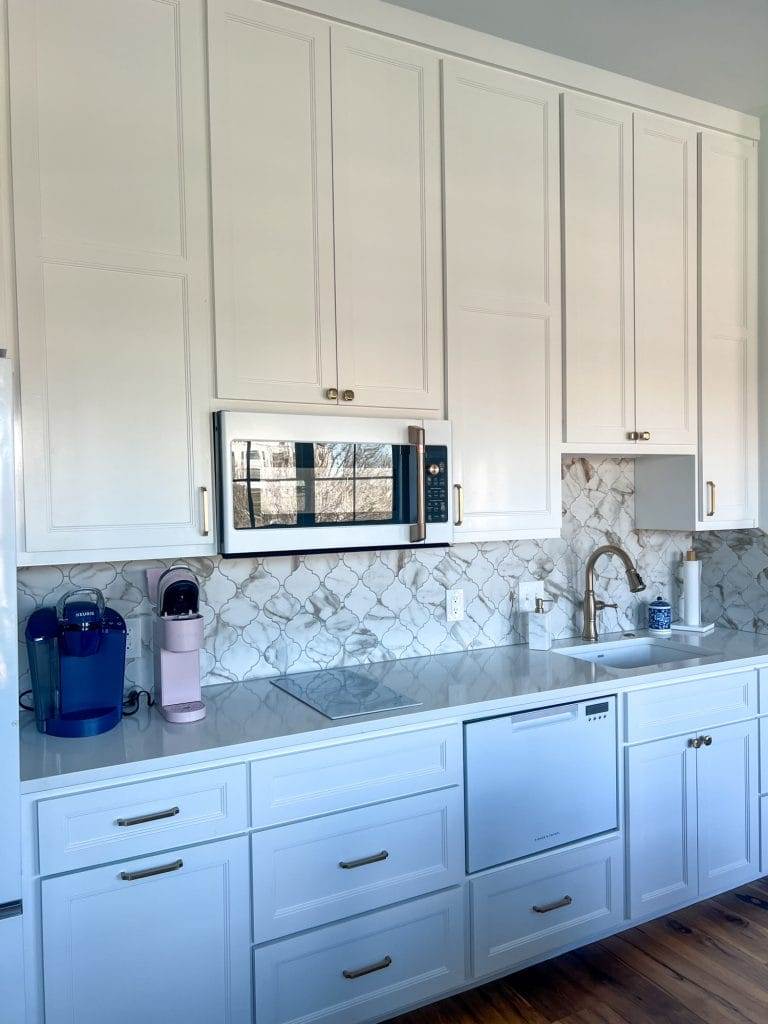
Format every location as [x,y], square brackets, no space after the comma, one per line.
[708,963]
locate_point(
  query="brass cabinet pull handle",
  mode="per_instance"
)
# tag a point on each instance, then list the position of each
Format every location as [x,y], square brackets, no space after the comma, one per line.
[142,819]
[362,861]
[348,395]
[695,743]
[712,496]
[566,901]
[360,972]
[163,869]
[707,741]
[459,520]
[419,528]
[206,528]
[332,394]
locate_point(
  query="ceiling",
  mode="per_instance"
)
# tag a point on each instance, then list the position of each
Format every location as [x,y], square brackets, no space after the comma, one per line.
[716,50]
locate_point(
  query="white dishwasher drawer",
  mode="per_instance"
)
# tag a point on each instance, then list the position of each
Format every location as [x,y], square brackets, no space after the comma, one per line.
[540,779]
[314,872]
[527,910]
[366,968]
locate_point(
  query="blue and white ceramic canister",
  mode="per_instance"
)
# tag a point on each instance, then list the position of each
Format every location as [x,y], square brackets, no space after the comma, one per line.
[660,617]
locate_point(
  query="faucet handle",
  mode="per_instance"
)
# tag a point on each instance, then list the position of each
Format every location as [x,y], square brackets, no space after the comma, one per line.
[599,605]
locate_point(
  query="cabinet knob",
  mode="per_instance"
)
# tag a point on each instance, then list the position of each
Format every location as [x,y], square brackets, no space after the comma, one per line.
[332,394]
[347,395]
[645,435]
[633,436]
[695,743]
[707,741]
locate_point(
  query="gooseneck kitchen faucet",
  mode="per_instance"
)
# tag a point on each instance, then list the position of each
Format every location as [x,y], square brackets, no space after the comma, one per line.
[592,606]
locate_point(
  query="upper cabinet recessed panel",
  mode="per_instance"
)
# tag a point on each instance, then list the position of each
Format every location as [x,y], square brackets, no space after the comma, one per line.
[727,176]
[110,153]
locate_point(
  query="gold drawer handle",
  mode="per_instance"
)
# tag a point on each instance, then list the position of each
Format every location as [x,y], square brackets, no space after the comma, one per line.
[163,869]
[459,520]
[566,901]
[360,972]
[142,819]
[374,858]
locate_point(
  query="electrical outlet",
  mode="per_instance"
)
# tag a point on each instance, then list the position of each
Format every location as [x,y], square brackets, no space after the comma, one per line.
[454,605]
[133,636]
[527,592]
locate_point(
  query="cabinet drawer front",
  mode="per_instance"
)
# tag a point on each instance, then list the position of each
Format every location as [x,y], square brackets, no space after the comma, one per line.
[527,910]
[366,968]
[694,704]
[183,916]
[124,821]
[314,872]
[338,778]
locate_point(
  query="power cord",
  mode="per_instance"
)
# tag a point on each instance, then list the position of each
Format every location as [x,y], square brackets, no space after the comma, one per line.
[132,702]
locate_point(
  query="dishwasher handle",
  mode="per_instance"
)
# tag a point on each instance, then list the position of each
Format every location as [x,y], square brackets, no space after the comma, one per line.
[546,716]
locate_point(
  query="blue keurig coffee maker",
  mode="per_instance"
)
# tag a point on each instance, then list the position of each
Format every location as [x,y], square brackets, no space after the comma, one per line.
[77,662]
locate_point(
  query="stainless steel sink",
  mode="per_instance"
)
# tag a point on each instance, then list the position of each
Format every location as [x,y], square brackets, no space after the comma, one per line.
[640,652]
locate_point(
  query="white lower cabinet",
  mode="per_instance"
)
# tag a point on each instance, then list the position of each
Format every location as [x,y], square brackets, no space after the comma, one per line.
[366,968]
[764,835]
[161,940]
[692,817]
[314,872]
[527,910]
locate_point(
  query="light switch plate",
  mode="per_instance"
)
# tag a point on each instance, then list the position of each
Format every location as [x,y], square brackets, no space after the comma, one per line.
[527,592]
[454,605]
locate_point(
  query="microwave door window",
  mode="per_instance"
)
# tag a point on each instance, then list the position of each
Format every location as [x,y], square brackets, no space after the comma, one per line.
[316,484]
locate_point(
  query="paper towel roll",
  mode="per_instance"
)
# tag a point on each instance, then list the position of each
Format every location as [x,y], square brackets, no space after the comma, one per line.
[691,590]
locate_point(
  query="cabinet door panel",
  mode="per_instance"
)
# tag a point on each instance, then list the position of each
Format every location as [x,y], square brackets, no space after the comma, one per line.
[503,299]
[386,166]
[272,202]
[597,219]
[661,826]
[170,947]
[728,808]
[665,279]
[110,204]
[728,450]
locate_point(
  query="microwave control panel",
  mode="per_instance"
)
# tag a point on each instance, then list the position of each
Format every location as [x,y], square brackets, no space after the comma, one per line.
[436,459]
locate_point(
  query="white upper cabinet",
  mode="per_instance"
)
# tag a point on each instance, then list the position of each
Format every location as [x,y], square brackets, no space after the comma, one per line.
[630,279]
[728,455]
[112,248]
[272,202]
[665,280]
[388,231]
[597,223]
[503,301]
[326,214]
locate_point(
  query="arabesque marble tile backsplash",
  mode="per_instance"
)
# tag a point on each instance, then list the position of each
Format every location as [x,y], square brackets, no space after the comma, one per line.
[299,613]
[734,578]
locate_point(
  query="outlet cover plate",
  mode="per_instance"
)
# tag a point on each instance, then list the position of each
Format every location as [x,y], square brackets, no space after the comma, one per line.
[133,637]
[528,591]
[454,605]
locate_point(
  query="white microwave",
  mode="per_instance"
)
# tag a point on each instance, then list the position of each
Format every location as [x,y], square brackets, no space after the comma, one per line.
[295,483]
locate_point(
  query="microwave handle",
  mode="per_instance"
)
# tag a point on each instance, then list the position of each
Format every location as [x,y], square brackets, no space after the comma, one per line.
[419,528]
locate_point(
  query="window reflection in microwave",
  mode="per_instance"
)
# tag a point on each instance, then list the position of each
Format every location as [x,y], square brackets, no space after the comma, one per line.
[280,483]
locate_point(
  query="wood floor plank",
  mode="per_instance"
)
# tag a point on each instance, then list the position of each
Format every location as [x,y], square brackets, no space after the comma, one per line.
[707,964]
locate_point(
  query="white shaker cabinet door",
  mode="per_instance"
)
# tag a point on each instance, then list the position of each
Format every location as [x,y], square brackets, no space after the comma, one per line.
[728,445]
[661,826]
[665,281]
[728,792]
[111,226]
[597,221]
[270,95]
[387,218]
[502,213]
[162,940]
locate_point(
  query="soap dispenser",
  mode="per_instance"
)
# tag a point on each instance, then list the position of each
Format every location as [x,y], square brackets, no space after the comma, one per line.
[540,626]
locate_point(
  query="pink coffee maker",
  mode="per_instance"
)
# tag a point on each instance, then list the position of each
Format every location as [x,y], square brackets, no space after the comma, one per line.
[177,637]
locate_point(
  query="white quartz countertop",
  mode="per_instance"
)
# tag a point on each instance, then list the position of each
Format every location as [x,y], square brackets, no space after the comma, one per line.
[255,717]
